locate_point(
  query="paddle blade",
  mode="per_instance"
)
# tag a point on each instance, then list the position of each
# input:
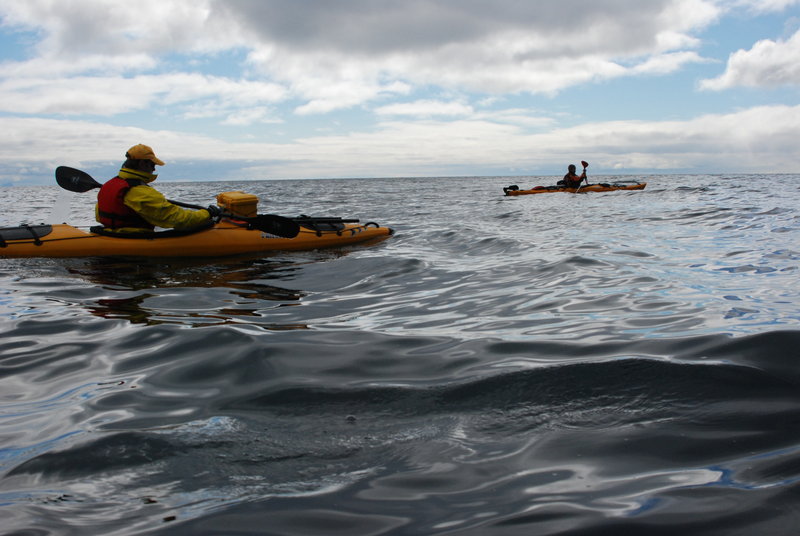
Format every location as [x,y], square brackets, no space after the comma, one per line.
[276,225]
[75,180]
[584,163]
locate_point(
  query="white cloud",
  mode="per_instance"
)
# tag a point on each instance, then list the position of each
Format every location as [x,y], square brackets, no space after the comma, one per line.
[425,108]
[766,6]
[328,96]
[761,139]
[667,63]
[334,55]
[432,73]
[90,64]
[767,64]
[112,95]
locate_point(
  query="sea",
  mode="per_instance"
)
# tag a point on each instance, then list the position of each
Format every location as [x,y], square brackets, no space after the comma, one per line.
[557,364]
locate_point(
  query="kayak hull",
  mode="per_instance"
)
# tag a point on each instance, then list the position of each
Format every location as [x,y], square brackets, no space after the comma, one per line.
[226,238]
[584,189]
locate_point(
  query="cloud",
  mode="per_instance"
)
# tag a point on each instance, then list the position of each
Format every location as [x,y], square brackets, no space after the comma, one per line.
[337,55]
[425,108]
[490,48]
[667,63]
[325,96]
[425,80]
[756,139]
[105,96]
[250,116]
[118,29]
[767,64]
[382,28]
[761,139]
[765,6]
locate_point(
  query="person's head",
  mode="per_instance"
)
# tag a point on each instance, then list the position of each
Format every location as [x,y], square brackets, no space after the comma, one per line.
[142,158]
[571,168]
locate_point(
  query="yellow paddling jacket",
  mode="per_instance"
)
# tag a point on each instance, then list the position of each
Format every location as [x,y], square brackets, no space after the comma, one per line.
[149,204]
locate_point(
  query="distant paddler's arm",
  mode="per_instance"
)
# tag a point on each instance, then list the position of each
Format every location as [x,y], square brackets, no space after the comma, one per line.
[151,204]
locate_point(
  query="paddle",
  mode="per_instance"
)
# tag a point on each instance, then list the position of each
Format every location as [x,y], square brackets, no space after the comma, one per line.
[585,164]
[314,219]
[79,181]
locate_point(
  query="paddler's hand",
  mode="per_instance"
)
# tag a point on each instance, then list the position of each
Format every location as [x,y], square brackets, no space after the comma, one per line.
[214,212]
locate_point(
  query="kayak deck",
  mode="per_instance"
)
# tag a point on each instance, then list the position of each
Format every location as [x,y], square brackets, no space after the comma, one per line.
[225,238]
[600,187]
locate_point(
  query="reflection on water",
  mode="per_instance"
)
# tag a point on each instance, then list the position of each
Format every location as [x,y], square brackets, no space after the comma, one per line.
[245,281]
[145,273]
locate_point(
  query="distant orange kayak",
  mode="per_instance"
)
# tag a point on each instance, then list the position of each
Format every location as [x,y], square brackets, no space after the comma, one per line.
[222,239]
[601,187]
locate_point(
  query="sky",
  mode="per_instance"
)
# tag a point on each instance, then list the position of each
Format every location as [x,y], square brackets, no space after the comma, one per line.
[294,89]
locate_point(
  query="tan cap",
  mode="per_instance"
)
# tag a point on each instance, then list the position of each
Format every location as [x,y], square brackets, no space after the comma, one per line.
[143,152]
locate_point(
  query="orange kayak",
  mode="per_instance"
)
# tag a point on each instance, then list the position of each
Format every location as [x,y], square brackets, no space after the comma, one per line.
[601,187]
[225,238]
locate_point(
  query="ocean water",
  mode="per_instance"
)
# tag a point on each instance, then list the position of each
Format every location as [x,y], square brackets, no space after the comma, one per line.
[608,363]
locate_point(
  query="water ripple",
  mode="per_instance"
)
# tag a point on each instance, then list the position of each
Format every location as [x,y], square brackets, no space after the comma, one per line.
[549,364]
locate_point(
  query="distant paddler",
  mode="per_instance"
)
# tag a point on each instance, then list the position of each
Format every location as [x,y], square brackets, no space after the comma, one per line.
[572,179]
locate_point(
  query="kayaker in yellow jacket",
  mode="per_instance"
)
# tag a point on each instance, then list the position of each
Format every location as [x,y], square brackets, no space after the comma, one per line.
[127,203]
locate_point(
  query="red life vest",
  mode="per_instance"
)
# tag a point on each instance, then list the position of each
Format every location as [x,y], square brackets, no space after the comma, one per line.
[111,209]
